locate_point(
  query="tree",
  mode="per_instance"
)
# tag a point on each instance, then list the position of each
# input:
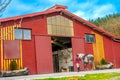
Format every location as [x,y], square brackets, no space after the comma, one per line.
[3,5]
[110,23]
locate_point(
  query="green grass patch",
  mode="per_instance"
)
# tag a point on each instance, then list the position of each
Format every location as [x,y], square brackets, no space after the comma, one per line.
[102,76]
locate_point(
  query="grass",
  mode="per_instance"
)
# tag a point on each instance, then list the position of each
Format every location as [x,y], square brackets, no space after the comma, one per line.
[102,76]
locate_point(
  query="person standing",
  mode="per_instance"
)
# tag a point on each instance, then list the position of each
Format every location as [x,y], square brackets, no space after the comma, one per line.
[77,61]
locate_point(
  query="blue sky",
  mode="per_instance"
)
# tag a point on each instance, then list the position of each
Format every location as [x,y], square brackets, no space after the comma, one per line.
[87,9]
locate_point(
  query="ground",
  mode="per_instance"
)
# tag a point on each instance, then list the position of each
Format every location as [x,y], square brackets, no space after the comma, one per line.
[55,75]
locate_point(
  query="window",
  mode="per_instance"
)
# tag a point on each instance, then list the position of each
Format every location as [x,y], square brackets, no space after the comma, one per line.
[18,33]
[27,34]
[89,38]
[22,34]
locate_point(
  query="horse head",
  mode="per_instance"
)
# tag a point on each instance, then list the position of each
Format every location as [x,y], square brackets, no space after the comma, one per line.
[80,55]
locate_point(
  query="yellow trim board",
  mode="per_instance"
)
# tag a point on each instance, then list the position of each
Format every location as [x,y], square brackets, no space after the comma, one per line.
[7,33]
[98,48]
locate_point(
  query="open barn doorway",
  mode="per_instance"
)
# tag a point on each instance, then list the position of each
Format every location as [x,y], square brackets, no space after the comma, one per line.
[62,54]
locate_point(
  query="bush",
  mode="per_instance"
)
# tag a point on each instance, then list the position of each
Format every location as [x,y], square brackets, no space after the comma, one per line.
[103,61]
[13,65]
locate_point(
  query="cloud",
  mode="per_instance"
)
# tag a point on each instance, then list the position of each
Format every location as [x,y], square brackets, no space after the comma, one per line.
[81,14]
[101,11]
[96,11]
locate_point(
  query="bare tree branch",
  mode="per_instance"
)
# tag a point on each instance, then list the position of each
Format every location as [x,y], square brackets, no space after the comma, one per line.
[4,4]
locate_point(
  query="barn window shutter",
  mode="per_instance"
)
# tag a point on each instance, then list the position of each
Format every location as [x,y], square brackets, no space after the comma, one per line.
[11,49]
[59,25]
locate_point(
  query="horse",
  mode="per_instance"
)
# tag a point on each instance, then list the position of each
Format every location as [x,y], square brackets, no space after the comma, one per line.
[87,59]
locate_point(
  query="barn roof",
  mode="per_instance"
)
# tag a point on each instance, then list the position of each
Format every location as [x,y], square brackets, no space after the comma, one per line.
[62,10]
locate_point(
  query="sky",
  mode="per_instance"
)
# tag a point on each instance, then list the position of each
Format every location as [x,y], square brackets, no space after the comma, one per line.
[86,9]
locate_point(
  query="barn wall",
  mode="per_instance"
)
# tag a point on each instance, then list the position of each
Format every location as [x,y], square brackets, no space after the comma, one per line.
[112,51]
[37,24]
[109,50]
[116,54]
[80,29]
[29,55]
[88,48]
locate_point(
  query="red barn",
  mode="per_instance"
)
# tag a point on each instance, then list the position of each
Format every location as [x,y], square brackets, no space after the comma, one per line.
[47,41]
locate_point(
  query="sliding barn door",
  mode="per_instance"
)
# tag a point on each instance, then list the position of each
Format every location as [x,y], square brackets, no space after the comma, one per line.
[43,54]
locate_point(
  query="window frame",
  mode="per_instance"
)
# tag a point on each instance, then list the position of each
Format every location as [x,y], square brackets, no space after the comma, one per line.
[88,39]
[23,35]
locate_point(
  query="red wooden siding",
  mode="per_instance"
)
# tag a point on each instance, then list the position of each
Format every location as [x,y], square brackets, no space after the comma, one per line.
[38,24]
[112,52]
[88,48]
[108,47]
[116,54]
[11,49]
[44,54]
[80,29]
[29,56]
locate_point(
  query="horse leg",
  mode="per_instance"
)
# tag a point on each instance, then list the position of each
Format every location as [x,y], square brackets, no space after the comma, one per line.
[85,66]
[78,69]
[93,66]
